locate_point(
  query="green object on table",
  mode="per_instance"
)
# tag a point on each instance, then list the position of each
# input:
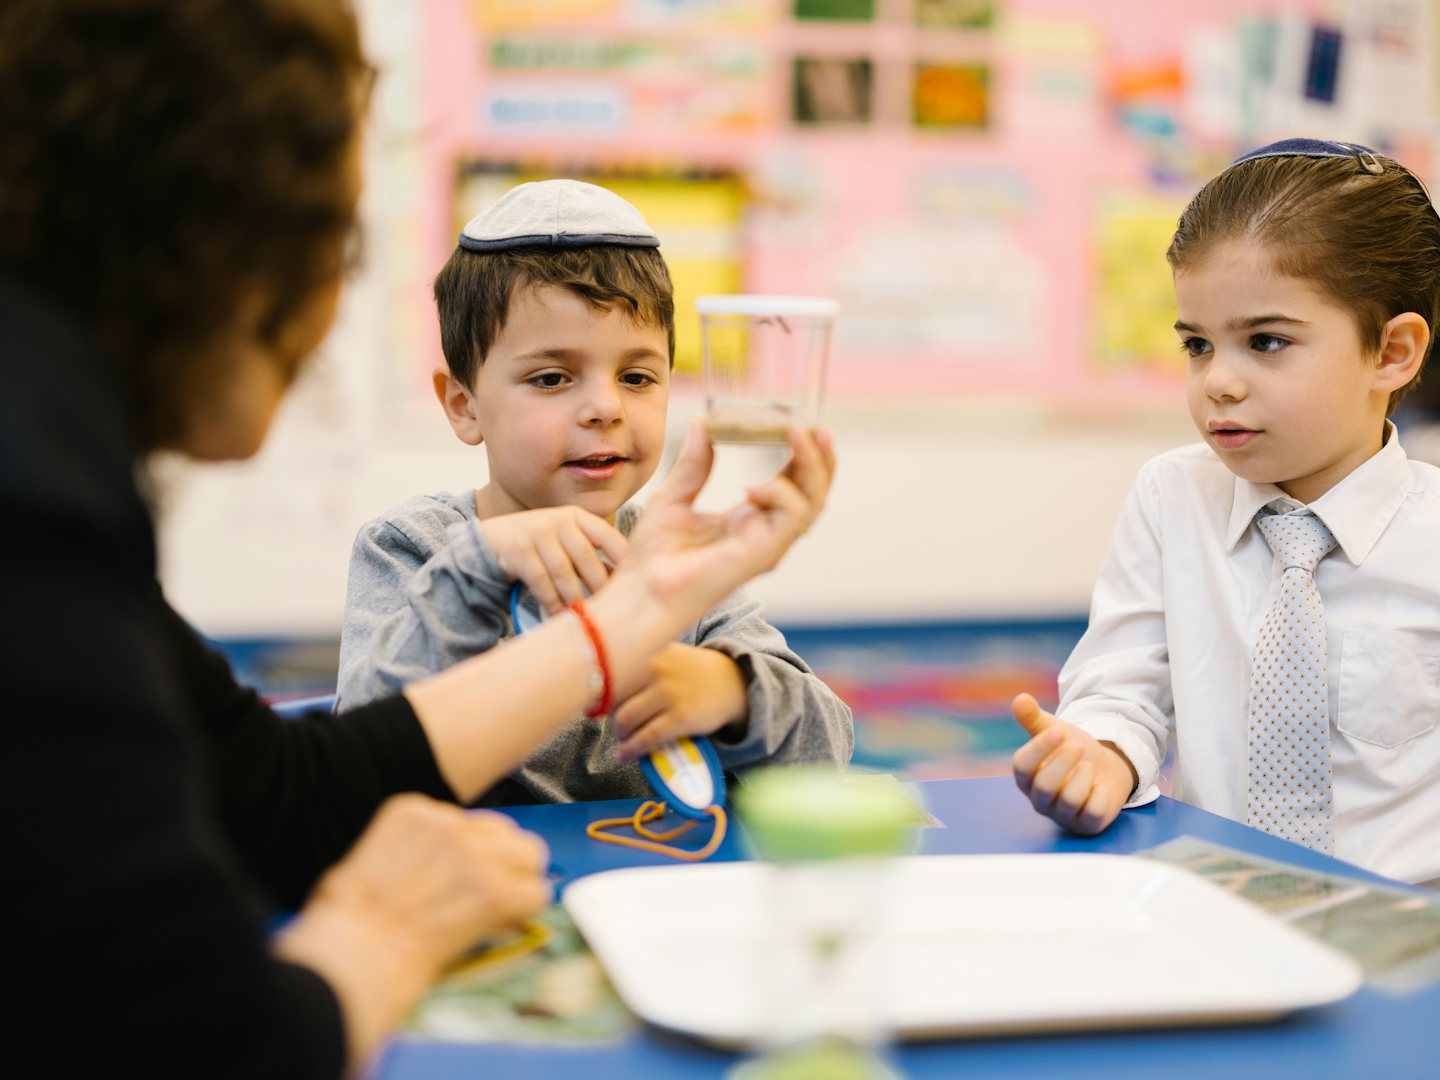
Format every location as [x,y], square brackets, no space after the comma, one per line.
[828,1060]
[802,813]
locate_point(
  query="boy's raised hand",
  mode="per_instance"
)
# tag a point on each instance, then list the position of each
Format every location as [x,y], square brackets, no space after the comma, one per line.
[555,551]
[685,690]
[1071,777]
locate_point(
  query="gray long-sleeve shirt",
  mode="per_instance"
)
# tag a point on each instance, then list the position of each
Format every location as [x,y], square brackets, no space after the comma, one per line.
[425,591]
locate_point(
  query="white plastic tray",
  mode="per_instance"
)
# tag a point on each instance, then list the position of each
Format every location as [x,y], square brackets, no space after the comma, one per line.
[969,945]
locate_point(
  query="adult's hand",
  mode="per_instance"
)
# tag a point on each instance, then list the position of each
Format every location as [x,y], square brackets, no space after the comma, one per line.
[692,560]
[424,882]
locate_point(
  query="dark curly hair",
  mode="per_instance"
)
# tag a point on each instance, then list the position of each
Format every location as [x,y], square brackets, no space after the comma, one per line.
[165,162]
[474,290]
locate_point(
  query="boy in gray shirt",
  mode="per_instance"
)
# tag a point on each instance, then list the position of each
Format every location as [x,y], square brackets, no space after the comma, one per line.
[557,324]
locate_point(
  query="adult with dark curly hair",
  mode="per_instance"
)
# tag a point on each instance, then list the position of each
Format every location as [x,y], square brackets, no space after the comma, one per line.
[177,191]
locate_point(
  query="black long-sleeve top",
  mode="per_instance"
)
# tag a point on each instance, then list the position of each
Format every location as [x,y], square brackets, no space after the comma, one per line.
[155,814]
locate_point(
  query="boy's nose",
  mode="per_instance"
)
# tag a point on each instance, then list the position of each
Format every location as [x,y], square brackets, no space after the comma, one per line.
[601,405]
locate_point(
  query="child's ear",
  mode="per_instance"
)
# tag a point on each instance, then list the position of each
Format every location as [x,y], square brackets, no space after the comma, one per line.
[1403,341]
[459,405]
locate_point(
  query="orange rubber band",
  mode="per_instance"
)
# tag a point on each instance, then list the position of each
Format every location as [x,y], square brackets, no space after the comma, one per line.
[653,841]
[607,687]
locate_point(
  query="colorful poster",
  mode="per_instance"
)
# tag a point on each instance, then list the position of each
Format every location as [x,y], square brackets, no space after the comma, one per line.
[831,90]
[493,15]
[952,95]
[1134,298]
[853,10]
[795,148]
[954,14]
[697,218]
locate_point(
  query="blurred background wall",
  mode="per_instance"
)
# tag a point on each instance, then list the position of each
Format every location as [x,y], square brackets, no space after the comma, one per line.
[987,186]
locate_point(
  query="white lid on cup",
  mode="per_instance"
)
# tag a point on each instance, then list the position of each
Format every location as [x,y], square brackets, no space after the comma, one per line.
[813,307]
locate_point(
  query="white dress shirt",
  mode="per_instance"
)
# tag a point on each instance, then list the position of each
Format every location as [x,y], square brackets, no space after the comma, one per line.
[1176,611]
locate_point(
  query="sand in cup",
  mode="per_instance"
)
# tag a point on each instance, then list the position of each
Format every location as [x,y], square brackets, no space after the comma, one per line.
[764,364]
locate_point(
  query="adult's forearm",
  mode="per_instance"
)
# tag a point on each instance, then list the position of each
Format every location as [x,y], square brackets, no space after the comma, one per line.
[488,714]
[375,977]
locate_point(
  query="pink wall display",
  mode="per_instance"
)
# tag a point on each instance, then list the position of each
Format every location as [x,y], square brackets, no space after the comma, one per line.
[984,185]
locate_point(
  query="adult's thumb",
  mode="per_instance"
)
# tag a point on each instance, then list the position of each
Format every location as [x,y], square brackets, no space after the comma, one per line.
[690,471]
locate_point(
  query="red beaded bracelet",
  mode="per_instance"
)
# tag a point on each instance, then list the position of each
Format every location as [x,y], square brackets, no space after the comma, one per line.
[607,689]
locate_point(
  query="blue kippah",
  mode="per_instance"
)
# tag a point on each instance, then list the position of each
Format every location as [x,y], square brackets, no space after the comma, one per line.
[1316,148]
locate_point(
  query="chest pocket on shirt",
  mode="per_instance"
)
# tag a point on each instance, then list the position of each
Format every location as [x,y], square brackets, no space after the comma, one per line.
[1389,685]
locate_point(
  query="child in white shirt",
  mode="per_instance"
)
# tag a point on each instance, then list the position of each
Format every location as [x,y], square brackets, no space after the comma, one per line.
[1307,277]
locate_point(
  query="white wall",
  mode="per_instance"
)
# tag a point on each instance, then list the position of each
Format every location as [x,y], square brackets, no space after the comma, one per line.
[945,513]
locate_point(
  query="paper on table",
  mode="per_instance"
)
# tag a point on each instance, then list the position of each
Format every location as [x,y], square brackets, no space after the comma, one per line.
[1393,933]
[541,985]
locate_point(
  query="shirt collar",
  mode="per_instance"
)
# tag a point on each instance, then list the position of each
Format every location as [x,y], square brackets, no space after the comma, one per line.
[1357,510]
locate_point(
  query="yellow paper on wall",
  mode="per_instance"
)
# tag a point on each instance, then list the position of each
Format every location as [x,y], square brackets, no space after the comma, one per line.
[1134,298]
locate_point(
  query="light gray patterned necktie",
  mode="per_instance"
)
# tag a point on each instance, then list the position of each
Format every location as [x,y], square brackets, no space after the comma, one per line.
[1289,702]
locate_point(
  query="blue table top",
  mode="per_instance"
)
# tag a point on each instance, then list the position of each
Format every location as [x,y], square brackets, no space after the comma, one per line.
[1370,1034]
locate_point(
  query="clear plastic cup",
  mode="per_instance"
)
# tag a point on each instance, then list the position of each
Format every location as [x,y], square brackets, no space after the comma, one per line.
[764,364]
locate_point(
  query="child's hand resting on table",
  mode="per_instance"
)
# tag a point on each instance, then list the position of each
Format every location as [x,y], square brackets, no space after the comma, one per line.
[685,690]
[1071,777]
[555,551]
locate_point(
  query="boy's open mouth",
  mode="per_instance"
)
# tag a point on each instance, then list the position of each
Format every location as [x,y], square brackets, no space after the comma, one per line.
[598,461]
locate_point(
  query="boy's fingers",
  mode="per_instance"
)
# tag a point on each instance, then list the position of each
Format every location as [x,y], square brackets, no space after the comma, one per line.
[1030,716]
[565,587]
[655,733]
[531,570]
[601,534]
[1050,778]
[1097,813]
[1074,793]
[584,558]
[635,711]
[1032,755]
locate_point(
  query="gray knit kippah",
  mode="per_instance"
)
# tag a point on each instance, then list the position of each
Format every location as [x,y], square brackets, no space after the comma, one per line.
[558,214]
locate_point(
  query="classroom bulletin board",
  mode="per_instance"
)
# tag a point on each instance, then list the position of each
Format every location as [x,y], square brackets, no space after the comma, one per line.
[986,186]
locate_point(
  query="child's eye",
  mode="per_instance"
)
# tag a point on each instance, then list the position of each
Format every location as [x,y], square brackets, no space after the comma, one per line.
[547,380]
[1194,346]
[638,378]
[1267,343]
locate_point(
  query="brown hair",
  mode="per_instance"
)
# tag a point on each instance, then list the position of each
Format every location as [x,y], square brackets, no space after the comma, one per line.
[474,290]
[1370,241]
[166,162]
